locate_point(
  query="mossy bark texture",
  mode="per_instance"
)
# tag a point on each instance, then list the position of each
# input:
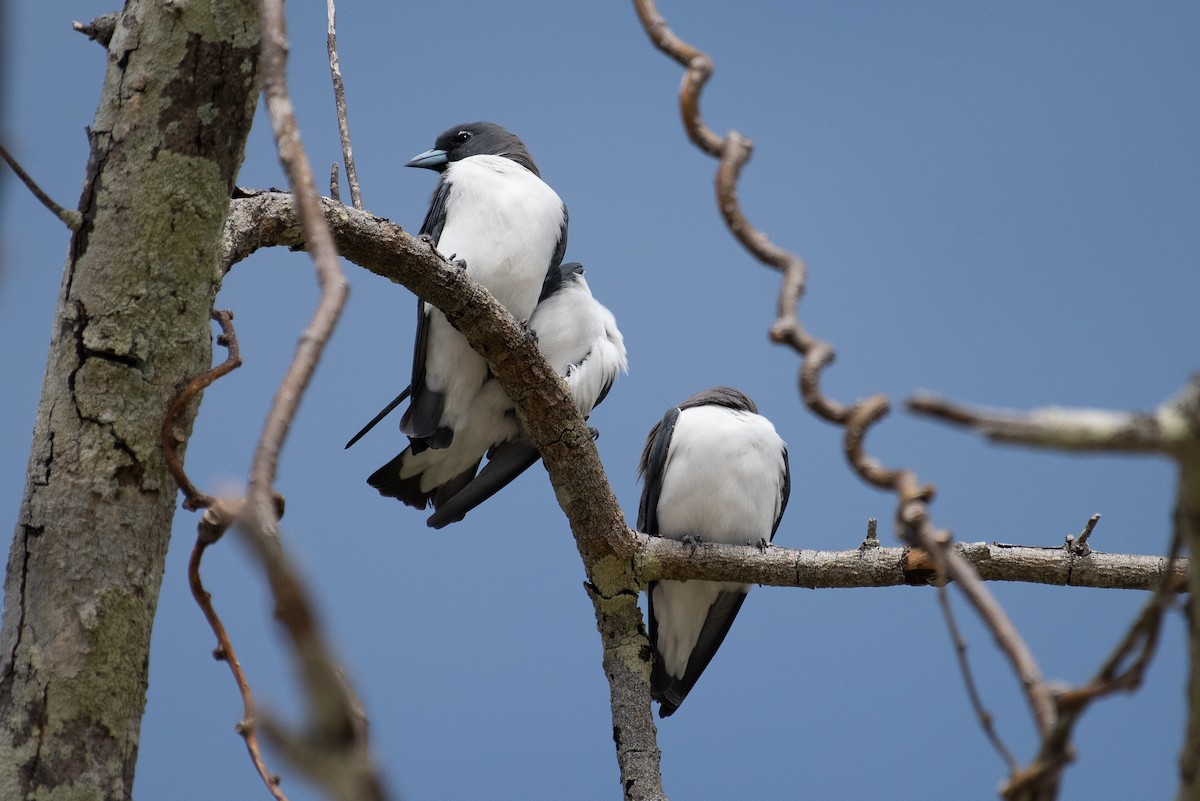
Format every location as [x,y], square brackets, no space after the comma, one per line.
[132,325]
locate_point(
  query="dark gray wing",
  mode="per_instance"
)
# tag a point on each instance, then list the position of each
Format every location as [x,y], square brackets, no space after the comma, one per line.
[505,462]
[670,691]
[435,218]
[382,414]
[785,492]
[423,416]
[422,419]
[652,466]
[560,249]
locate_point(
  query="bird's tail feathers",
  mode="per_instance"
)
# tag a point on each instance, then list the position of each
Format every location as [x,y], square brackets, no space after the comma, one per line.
[388,481]
[505,462]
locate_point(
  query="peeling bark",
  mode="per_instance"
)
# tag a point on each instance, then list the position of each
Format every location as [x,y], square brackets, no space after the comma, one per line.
[132,325]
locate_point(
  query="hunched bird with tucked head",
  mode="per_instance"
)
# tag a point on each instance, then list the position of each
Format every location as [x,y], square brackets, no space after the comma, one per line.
[715,471]
[579,338]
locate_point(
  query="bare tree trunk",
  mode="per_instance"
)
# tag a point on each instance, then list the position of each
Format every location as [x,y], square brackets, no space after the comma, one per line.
[132,325]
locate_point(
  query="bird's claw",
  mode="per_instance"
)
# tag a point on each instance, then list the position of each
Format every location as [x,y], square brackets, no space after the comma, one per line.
[762,545]
[595,432]
[530,334]
[691,540]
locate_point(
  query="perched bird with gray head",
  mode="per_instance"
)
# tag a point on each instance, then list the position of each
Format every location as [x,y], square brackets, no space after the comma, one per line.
[715,471]
[579,338]
[492,211]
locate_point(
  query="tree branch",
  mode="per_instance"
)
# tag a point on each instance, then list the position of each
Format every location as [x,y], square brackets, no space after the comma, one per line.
[1172,430]
[985,717]
[319,244]
[659,558]
[1096,430]
[212,526]
[193,498]
[339,97]
[263,219]
[550,417]
[70,217]
[100,29]
[267,218]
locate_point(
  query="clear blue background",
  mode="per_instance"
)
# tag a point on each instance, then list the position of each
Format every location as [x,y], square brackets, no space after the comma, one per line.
[997,201]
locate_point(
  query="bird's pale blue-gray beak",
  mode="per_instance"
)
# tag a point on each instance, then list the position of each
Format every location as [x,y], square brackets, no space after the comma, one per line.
[430,159]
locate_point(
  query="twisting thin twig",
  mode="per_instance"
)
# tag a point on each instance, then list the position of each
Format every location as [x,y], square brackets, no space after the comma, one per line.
[71,217]
[732,152]
[213,524]
[985,717]
[339,96]
[912,513]
[193,498]
[219,515]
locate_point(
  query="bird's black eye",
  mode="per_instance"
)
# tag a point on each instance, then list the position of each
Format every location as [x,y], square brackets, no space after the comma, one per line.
[462,136]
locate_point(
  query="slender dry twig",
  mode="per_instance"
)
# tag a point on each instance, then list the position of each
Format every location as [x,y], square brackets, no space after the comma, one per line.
[1008,639]
[1123,670]
[335,192]
[872,565]
[219,515]
[215,521]
[1057,428]
[1079,544]
[70,217]
[985,717]
[339,95]
[1087,530]
[193,498]
[334,750]
[320,246]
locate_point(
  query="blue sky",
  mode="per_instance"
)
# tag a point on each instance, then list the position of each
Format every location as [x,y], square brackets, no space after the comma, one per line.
[998,202]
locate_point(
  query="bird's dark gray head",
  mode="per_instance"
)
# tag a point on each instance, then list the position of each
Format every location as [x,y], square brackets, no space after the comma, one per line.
[728,397]
[474,139]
